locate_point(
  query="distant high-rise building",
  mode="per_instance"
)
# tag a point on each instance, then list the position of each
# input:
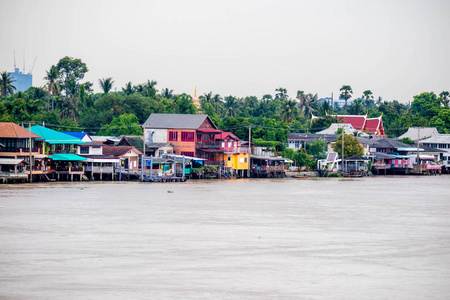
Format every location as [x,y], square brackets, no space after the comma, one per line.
[22,81]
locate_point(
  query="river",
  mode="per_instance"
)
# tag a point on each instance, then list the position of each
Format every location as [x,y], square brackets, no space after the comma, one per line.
[369,238]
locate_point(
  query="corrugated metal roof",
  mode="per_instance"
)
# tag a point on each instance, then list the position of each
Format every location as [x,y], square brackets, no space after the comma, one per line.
[175,121]
[423,132]
[11,161]
[54,137]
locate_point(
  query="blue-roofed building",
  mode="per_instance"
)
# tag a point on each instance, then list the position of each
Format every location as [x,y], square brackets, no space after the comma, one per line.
[84,136]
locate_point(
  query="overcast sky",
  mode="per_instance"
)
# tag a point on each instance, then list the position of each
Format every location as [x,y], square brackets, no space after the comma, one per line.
[396,48]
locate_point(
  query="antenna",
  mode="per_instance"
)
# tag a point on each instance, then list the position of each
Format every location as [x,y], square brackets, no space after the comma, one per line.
[31,71]
[14,60]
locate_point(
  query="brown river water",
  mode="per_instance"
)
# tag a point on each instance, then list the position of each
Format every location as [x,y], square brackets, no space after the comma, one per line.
[368,238]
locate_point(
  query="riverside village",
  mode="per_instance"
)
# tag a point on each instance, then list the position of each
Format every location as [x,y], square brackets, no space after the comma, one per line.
[177,147]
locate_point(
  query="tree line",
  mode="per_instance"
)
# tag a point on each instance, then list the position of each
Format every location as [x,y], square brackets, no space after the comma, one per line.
[68,103]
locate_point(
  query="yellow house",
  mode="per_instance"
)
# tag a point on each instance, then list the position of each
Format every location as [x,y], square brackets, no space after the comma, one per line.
[237,161]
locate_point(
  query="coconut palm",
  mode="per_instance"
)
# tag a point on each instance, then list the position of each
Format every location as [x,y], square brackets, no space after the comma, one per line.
[52,84]
[106,84]
[288,110]
[346,93]
[128,89]
[444,96]
[231,106]
[6,86]
[306,102]
[166,93]
[356,108]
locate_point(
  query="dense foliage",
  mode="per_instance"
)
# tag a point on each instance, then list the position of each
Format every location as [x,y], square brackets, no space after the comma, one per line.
[67,103]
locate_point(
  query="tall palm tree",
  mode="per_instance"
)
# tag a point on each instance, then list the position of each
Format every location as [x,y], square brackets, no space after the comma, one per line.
[106,84]
[281,94]
[356,108]
[6,86]
[306,102]
[346,93]
[128,89]
[52,84]
[288,110]
[231,106]
[217,103]
[368,98]
[166,93]
[444,96]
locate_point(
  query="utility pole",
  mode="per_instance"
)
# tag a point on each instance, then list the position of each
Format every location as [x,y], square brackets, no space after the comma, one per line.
[418,149]
[343,140]
[29,148]
[249,148]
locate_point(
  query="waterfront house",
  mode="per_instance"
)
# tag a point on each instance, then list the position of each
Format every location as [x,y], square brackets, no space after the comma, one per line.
[16,145]
[440,142]
[192,135]
[61,149]
[128,155]
[136,141]
[158,149]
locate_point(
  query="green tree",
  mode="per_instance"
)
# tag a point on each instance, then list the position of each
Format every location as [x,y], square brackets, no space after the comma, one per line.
[288,111]
[317,148]
[126,124]
[426,105]
[129,89]
[6,86]
[407,140]
[351,146]
[306,102]
[166,93]
[231,106]
[346,93]
[281,94]
[53,87]
[106,84]
[70,70]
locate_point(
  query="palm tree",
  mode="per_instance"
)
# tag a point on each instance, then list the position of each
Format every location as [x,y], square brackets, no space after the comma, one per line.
[217,103]
[282,94]
[444,96]
[288,110]
[356,108]
[52,84]
[106,84]
[6,86]
[166,93]
[128,89]
[231,106]
[368,98]
[306,102]
[346,93]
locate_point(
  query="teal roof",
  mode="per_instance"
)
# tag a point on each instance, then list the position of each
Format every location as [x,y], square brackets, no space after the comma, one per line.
[67,157]
[54,137]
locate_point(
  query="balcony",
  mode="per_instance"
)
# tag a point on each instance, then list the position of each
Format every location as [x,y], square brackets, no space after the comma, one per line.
[209,145]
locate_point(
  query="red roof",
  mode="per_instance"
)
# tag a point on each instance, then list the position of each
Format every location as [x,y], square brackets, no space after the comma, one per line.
[357,122]
[11,130]
[372,125]
[229,135]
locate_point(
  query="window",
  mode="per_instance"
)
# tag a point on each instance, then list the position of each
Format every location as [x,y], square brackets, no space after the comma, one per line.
[173,135]
[160,153]
[84,150]
[187,136]
[187,153]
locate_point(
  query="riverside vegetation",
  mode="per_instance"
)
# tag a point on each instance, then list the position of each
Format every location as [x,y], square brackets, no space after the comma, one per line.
[68,103]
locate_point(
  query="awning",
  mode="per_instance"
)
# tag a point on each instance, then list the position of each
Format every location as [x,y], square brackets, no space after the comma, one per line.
[13,161]
[67,157]
[253,156]
[65,142]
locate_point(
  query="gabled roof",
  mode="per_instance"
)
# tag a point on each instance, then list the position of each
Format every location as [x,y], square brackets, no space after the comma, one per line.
[387,143]
[439,139]
[54,137]
[361,122]
[132,140]
[308,137]
[78,135]
[11,130]
[225,135]
[424,132]
[118,150]
[176,121]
